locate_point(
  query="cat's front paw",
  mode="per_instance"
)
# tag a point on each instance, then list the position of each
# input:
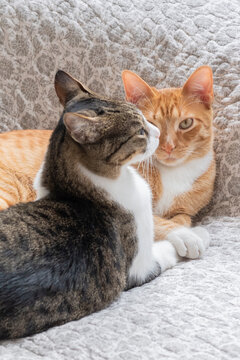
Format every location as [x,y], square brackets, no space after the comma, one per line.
[165,254]
[189,242]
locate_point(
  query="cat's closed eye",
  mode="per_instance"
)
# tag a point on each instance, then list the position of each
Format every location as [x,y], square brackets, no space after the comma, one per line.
[152,122]
[142,131]
[186,124]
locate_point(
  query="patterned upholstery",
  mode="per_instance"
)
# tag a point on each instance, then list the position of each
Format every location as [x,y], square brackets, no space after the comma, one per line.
[192,311]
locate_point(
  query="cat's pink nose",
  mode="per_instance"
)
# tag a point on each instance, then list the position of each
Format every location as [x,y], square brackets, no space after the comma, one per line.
[168,148]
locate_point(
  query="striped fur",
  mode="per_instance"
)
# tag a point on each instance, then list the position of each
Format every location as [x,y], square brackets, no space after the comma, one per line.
[22,152]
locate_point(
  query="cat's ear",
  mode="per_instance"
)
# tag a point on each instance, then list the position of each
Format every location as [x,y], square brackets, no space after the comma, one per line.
[200,85]
[84,127]
[67,87]
[136,89]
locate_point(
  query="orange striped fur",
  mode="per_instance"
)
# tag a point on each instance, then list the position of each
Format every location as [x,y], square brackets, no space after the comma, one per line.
[167,109]
[21,154]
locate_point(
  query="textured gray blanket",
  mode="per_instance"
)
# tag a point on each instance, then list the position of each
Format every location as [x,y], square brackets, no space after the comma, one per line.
[193,310]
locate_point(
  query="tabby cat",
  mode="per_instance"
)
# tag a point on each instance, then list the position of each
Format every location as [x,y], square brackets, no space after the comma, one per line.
[90,236]
[182,171]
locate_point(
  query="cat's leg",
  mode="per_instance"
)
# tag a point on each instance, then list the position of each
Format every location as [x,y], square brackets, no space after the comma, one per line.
[162,227]
[163,256]
[144,267]
[166,254]
[182,219]
[152,258]
[189,242]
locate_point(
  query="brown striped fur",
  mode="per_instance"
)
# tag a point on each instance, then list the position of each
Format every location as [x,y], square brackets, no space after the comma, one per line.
[70,253]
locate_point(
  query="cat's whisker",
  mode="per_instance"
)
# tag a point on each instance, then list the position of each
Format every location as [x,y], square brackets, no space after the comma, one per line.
[150,160]
[148,164]
[144,167]
[147,169]
[139,164]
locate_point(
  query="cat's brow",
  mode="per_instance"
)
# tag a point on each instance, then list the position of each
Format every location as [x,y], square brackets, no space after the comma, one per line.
[113,111]
[136,123]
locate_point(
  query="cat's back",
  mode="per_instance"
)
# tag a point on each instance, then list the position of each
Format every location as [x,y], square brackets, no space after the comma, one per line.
[41,222]
[21,155]
[23,150]
[54,253]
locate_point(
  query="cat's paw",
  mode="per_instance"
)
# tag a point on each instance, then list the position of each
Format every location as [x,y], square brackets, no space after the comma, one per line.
[189,242]
[165,254]
[203,234]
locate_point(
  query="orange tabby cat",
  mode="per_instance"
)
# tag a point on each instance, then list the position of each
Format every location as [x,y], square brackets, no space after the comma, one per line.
[22,153]
[182,172]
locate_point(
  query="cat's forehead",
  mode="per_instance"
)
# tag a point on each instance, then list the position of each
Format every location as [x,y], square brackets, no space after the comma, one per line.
[166,104]
[109,110]
[89,103]
[99,105]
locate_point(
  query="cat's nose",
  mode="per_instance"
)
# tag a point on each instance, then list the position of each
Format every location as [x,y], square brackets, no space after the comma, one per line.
[168,148]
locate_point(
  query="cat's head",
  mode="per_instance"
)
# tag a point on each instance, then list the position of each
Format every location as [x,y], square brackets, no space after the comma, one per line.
[106,134]
[183,115]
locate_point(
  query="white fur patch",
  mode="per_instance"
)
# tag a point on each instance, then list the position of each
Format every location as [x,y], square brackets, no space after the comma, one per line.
[152,145]
[179,179]
[166,254]
[189,242]
[37,184]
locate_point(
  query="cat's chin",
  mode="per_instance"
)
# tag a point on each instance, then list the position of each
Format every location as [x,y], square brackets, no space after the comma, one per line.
[170,161]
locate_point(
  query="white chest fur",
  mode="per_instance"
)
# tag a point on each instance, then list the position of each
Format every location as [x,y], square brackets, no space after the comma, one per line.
[132,192]
[178,180]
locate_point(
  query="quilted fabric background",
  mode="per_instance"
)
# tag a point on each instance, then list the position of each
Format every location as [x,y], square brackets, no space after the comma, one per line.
[192,311]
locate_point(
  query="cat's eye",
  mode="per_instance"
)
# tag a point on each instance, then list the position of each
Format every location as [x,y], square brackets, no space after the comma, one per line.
[185,124]
[142,131]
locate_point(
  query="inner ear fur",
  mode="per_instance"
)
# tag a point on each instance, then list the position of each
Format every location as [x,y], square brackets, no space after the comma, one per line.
[83,127]
[136,89]
[67,87]
[200,85]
